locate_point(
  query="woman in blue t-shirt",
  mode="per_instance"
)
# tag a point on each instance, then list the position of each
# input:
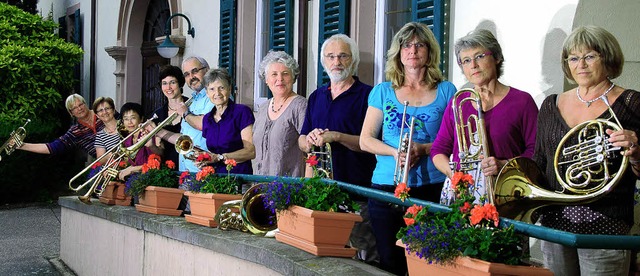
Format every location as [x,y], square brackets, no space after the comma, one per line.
[414,75]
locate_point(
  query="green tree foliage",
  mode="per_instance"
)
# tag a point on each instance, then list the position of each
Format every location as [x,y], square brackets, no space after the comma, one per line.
[36,73]
[36,67]
[25,5]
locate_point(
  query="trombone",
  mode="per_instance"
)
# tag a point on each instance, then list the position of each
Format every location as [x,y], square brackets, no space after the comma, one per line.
[17,136]
[401,172]
[118,153]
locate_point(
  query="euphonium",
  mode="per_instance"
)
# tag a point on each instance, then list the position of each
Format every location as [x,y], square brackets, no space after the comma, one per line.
[401,172]
[325,160]
[118,153]
[472,138]
[583,164]
[252,217]
[17,137]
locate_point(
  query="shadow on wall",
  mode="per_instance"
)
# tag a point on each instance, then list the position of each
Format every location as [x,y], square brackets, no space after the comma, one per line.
[552,74]
[486,25]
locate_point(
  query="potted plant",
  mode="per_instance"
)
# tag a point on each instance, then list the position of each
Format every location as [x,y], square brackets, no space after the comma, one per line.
[208,191]
[113,188]
[156,187]
[465,241]
[312,215]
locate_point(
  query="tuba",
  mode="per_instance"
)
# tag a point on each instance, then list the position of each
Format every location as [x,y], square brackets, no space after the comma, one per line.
[325,160]
[472,139]
[253,216]
[15,140]
[117,154]
[583,162]
[401,172]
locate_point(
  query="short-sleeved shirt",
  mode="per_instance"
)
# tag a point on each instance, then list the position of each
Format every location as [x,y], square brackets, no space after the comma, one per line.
[344,114]
[276,141]
[224,136]
[78,136]
[427,123]
[199,106]
[161,114]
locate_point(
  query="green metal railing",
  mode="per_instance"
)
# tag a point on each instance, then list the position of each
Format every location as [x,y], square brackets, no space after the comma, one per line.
[531,230]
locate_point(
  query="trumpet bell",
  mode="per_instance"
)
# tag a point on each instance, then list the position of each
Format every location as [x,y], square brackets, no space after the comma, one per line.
[184,144]
[253,217]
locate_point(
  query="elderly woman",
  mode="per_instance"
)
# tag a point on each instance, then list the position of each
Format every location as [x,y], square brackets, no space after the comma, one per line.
[592,59]
[80,135]
[172,81]
[279,121]
[228,127]
[509,114]
[108,137]
[412,67]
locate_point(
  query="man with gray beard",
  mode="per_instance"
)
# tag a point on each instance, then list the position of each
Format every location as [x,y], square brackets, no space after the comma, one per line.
[335,114]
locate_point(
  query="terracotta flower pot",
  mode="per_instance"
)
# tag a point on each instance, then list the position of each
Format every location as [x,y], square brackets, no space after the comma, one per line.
[109,193]
[122,198]
[468,267]
[204,207]
[160,200]
[319,233]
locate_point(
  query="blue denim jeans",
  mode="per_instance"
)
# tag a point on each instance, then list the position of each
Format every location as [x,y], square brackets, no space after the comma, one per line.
[564,260]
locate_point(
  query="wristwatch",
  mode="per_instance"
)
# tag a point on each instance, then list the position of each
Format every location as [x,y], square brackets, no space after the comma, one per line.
[184,115]
[220,157]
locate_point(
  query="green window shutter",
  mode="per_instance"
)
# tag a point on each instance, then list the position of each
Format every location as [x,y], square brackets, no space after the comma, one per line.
[77,32]
[433,13]
[226,56]
[281,26]
[334,19]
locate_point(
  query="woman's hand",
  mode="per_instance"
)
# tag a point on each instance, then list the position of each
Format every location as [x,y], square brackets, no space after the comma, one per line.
[625,139]
[491,165]
[125,172]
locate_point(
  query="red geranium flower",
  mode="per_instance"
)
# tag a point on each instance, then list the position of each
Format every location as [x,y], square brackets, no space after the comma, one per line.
[203,157]
[402,191]
[145,168]
[184,175]
[487,212]
[170,164]
[312,160]
[230,162]
[204,172]
[95,165]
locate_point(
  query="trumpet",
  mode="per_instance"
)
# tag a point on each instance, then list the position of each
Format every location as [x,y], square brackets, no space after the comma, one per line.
[584,171]
[325,160]
[118,153]
[17,137]
[401,172]
[184,145]
[472,139]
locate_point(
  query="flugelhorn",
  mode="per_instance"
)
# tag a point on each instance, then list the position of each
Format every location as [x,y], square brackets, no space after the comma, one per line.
[118,153]
[401,172]
[325,160]
[252,217]
[583,164]
[15,140]
[472,138]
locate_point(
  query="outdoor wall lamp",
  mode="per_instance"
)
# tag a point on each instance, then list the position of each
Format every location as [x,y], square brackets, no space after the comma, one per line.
[167,49]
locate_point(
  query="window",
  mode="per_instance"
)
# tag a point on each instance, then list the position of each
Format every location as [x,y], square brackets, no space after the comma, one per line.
[334,19]
[226,58]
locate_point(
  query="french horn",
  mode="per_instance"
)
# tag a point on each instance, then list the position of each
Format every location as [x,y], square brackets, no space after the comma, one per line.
[584,164]
[15,140]
[252,216]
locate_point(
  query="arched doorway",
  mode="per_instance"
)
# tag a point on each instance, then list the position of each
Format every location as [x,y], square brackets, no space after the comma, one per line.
[154,25]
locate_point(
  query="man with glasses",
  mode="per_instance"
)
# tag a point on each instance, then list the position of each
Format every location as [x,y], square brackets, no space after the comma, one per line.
[80,135]
[335,114]
[194,69]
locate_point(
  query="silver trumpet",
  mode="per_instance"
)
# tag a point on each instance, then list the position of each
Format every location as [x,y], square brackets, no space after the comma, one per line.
[401,172]
[16,138]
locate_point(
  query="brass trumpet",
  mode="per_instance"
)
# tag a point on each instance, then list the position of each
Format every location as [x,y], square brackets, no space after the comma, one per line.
[325,160]
[253,216]
[17,137]
[185,146]
[401,172]
[472,139]
[582,169]
[118,153]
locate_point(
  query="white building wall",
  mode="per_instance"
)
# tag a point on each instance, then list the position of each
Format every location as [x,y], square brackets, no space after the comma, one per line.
[106,29]
[530,33]
[205,18]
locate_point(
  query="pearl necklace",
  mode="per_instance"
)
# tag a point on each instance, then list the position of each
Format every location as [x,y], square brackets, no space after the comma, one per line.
[596,98]
[273,101]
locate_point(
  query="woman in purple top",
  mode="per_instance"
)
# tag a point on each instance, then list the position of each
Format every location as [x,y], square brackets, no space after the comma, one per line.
[132,117]
[228,128]
[510,114]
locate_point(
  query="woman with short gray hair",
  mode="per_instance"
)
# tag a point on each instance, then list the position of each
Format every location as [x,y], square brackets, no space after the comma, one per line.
[280,120]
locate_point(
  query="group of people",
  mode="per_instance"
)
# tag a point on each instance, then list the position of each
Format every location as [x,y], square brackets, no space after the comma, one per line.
[363,124]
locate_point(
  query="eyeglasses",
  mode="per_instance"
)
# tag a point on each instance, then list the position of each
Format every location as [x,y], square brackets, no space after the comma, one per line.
[130,118]
[106,109]
[588,58]
[418,45]
[341,57]
[467,61]
[164,83]
[193,71]
[75,108]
